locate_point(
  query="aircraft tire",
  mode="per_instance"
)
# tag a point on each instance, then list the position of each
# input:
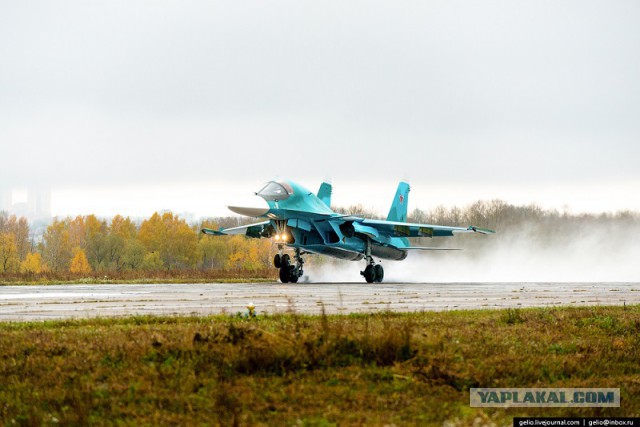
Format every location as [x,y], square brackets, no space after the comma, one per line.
[293,275]
[378,273]
[285,260]
[284,274]
[369,274]
[277,261]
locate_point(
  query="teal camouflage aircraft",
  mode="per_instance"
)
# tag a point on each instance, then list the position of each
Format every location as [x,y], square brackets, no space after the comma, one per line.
[299,219]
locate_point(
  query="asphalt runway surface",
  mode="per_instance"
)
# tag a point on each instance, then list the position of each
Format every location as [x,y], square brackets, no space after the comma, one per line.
[22,303]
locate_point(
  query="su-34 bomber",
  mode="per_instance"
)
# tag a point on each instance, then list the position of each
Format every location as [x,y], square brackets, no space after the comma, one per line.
[297,218]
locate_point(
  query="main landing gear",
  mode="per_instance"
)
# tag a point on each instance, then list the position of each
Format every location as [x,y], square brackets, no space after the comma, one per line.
[288,272]
[373,272]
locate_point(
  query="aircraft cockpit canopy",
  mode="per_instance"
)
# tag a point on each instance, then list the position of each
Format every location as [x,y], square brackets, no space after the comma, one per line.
[275,191]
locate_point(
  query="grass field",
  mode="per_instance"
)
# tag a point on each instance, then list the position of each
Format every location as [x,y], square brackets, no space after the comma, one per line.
[378,369]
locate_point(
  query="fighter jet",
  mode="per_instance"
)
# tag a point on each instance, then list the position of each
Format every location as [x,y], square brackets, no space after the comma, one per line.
[297,218]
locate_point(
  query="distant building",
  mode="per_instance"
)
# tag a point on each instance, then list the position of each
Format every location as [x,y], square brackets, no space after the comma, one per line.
[37,206]
[39,201]
[6,199]
[21,209]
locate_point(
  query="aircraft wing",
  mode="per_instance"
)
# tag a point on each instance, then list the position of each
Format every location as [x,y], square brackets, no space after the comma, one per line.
[250,230]
[423,248]
[409,229]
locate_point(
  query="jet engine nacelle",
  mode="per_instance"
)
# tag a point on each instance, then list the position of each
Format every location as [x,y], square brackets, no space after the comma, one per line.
[387,252]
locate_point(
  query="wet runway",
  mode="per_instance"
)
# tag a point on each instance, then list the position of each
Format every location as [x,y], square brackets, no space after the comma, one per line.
[19,303]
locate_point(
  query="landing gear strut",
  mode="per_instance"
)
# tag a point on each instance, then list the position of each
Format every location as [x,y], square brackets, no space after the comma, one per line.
[288,272]
[373,272]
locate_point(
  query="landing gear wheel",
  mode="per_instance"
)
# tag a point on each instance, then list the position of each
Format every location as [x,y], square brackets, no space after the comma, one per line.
[284,274]
[288,272]
[369,274]
[378,273]
[293,275]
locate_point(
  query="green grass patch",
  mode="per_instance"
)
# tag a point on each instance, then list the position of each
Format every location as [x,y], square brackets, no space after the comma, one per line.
[374,369]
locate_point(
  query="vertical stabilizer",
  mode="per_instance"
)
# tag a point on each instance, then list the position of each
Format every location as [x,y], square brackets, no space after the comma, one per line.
[398,211]
[324,193]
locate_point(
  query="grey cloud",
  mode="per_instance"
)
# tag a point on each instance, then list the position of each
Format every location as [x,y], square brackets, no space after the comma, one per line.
[131,91]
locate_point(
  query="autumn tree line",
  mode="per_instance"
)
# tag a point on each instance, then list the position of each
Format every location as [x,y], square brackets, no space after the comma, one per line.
[87,245]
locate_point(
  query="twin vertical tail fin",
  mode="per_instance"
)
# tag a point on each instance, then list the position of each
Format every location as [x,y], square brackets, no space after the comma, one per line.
[398,211]
[324,193]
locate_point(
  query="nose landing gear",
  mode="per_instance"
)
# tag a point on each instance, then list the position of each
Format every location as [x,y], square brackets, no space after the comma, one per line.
[288,272]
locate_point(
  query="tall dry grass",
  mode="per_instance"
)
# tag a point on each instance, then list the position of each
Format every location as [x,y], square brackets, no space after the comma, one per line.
[378,369]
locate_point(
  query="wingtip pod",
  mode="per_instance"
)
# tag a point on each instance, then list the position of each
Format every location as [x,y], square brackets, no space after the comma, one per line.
[480,230]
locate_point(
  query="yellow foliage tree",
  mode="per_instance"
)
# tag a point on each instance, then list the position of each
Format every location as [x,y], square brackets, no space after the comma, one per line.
[265,252]
[79,263]
[77,232]
[57,251]
[152,262]
[153,233]
[122,227]
[9,261]
[235,260]
[172,238]
[95,245]
[245,253]
[20,230]
[212,252]
[32,264]
[252,258]
[120,234]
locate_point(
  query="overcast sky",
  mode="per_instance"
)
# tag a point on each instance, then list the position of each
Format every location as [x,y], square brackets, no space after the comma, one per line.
[141,105]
